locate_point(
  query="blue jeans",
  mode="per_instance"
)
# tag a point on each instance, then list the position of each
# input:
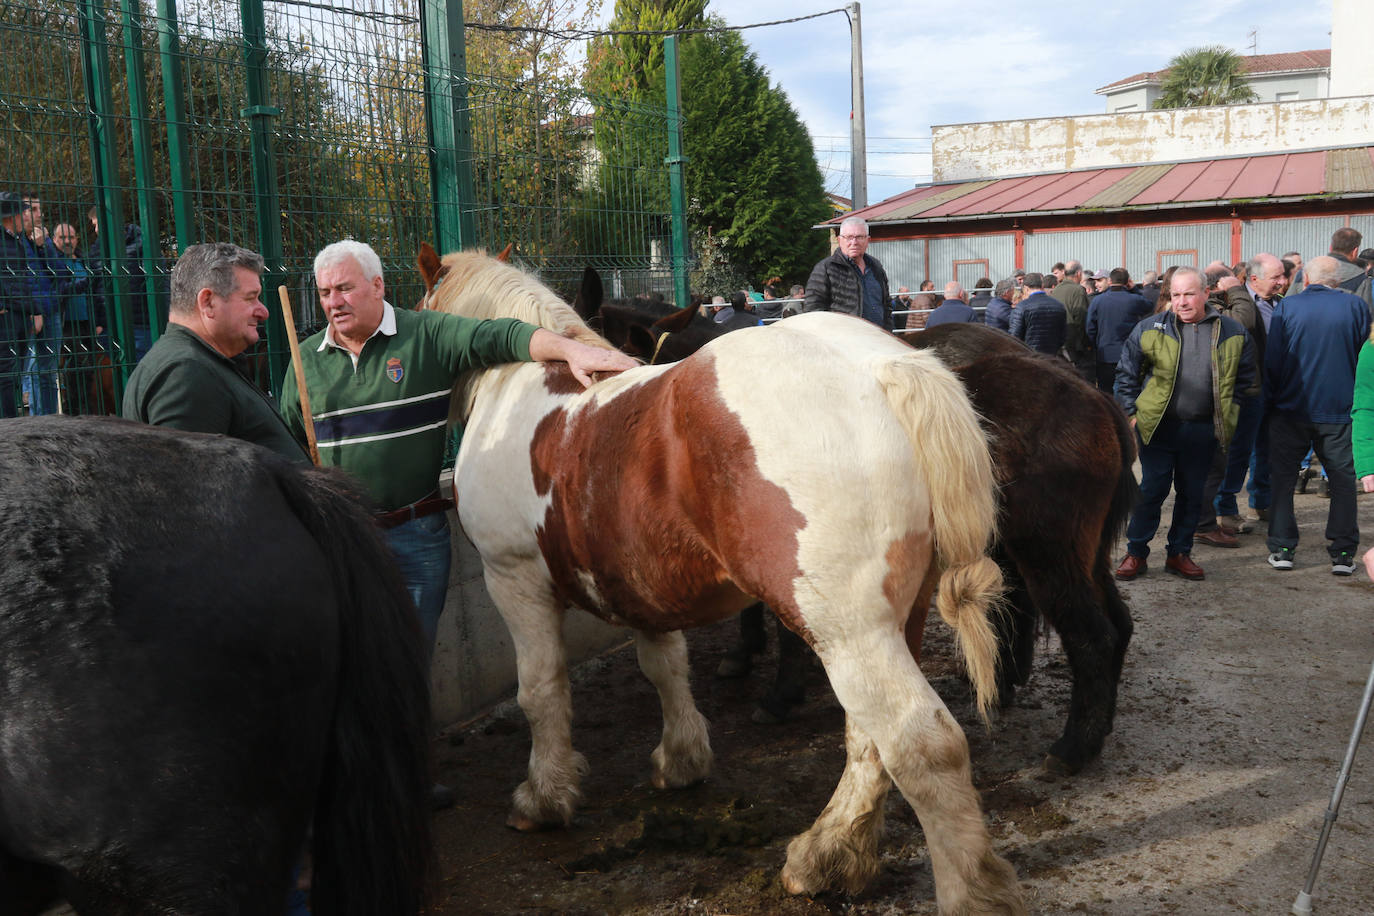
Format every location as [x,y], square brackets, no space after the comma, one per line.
[44,349]
[1239,455]
[1178,453]
[424,554]
[1261,495]
[1289,439]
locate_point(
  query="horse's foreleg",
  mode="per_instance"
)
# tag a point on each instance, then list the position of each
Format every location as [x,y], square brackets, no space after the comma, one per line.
[550,792]
[841,847]
[925,753]
[683,757]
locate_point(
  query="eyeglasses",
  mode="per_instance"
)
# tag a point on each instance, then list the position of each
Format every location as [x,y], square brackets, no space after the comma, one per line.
[852,238]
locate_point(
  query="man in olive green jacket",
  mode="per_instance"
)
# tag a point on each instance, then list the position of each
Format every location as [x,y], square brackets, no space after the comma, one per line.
[1177,380]
[1077,347]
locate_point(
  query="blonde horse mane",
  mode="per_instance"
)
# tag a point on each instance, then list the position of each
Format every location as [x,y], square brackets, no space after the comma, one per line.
[476,285]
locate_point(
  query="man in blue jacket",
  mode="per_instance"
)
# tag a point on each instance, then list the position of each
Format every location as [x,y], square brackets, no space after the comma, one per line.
[1313,343]
[1040,319]
[1112,315]
[16,300]
[954,309]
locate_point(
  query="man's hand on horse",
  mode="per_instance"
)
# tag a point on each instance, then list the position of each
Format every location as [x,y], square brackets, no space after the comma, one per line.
[582,359]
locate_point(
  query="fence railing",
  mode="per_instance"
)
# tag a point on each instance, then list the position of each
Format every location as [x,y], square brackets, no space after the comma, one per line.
[285,125]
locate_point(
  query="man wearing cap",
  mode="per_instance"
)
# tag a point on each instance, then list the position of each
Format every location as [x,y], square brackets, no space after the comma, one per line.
[17,299]
[1112,315]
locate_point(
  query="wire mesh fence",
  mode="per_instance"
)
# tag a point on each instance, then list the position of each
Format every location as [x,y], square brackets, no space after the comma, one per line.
[283,126]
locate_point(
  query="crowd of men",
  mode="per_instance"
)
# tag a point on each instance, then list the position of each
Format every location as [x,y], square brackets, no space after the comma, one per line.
[1230,375]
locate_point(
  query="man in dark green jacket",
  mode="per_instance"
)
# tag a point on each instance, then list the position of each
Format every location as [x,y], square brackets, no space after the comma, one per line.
[1177,380]
[188,379]
[1077,347]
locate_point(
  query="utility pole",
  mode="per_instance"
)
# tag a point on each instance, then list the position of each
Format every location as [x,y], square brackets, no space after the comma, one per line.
[858,145]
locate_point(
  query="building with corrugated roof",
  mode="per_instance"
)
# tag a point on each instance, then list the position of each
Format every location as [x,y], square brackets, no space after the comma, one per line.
[1142,189]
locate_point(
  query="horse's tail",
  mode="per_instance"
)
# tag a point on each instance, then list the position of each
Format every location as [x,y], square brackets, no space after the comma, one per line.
[372,846]
[952,453]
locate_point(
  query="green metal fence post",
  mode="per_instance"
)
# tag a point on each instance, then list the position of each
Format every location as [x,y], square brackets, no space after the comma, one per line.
[266,205]
[143,164]
[677,188]
[174,103]
[446,115]
[101,123]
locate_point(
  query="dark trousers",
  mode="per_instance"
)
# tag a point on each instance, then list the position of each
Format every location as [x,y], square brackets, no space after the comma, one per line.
[1289,439]
[1227,470]
[13,344]
[1178,453]
[1258,485]
[1106,377]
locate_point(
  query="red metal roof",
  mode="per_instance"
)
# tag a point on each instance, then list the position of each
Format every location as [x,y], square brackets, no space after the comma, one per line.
[1344,172]
[1255,65]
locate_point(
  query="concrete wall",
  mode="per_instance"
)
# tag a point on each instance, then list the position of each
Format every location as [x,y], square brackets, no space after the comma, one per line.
[474,661]
[999,149]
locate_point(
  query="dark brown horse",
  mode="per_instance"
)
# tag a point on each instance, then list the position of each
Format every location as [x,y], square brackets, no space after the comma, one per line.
[1063,452]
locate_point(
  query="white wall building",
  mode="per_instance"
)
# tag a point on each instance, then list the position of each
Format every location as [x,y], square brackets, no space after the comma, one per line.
[1290,77]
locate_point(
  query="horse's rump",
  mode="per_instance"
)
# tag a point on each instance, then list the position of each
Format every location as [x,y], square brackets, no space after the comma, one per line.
[176,635]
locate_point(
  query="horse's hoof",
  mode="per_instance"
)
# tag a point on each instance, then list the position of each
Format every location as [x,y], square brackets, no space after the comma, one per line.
[518,821]
[792,885]
[763,715]
[1058,766]
[734,665]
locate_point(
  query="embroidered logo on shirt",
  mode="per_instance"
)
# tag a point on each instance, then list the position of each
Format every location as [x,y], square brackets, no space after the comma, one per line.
[394,370]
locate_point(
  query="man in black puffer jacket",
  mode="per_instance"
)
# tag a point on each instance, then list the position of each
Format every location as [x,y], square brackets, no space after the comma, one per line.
[851,281]
[1040,319]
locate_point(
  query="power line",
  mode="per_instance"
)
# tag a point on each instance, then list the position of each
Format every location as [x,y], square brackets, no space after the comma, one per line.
[576,34]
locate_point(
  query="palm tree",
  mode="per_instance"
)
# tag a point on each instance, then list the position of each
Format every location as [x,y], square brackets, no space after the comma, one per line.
[1205,76]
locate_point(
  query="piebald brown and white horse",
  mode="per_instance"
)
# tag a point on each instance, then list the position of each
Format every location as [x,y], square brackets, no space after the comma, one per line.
[830,486]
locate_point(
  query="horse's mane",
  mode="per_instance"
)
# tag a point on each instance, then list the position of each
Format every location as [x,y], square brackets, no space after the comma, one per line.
[479,286]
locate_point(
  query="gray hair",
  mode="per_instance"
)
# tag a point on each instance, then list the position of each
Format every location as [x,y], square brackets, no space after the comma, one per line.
[209,266]
[1186,269]
[1324,271]
[334,254]
[1073,269]
[855,221]
[1004,287]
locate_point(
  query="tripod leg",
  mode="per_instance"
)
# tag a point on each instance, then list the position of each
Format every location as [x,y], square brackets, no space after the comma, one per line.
[1303,905]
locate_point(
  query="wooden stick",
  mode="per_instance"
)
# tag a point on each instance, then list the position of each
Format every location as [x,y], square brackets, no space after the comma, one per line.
[290,320]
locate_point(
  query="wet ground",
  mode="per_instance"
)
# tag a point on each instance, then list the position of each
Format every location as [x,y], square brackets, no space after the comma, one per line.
[1236,708]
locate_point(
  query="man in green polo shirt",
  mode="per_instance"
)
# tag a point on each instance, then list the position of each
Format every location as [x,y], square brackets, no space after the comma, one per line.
[188,379]
[379,380]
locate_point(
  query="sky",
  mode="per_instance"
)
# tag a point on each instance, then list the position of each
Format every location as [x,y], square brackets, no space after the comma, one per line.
[928,63]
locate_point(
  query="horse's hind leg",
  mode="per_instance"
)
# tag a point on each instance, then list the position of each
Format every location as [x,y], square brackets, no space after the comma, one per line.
[789,687]
[683,757]
[925,753]
[738,661]
[1095,646]
[26,889]
[1015,636]
[841,847]
[550,792]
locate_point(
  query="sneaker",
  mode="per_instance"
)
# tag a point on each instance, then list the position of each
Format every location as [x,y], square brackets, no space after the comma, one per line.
[1281,558]
[1343,565]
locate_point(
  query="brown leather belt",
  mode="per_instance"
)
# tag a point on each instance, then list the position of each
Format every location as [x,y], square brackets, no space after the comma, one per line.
[419,509]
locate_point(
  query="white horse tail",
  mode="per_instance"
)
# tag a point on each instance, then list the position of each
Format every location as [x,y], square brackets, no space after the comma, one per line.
[951,451]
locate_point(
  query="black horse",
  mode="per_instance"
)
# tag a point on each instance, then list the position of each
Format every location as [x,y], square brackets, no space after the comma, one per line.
[1063,453]
[207,654]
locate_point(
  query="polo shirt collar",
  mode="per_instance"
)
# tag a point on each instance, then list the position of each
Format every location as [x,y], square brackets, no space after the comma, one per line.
[387,327]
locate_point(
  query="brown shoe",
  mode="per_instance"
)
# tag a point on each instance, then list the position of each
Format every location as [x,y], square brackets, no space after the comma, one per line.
[1180,564]
[1217,537]
[1236,524]
[1130,567]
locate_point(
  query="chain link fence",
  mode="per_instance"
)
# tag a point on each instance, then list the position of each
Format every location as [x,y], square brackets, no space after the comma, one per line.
[283,126]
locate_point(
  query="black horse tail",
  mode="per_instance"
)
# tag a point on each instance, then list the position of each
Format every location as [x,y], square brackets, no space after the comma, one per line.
[373,852]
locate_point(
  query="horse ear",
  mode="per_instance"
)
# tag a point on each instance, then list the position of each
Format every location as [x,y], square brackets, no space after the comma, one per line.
[677,321]
[504,256]
[428,263]
[639,341]
[590,295]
